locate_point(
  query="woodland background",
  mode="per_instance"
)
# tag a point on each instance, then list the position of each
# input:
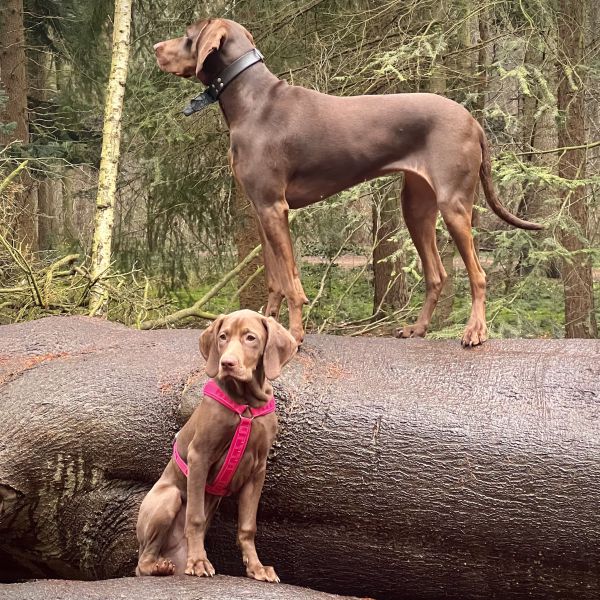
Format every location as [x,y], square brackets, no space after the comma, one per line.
[528,70]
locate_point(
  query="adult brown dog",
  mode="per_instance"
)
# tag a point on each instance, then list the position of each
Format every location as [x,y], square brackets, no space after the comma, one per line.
[291,146]
[243,351]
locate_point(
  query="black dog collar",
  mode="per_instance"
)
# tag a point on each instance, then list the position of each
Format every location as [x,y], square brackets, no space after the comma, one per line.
[213,91]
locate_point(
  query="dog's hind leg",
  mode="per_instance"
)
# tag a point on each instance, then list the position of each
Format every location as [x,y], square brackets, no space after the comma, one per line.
[457,212]
[157,513]
[420,213]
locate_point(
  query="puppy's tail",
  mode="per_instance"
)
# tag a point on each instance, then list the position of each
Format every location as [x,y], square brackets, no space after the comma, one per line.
[485,175]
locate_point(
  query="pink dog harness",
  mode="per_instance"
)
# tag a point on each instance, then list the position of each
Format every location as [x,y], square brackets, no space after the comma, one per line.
[220,486]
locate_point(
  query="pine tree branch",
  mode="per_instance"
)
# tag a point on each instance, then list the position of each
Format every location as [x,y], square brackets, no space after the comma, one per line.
[561,149]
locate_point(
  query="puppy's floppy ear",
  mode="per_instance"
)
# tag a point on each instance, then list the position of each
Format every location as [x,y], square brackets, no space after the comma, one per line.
[209,347]
[279,349]
[209,40]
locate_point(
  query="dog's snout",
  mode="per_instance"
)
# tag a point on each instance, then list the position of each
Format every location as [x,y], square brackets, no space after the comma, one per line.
[158,46]
[229,362]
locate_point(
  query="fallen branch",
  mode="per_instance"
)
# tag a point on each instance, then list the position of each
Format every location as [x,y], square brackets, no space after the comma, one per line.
[6,181]
[52,272]
[22,263]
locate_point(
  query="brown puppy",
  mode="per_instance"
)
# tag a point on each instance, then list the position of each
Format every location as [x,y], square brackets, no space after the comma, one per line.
[292,146]
[243,351]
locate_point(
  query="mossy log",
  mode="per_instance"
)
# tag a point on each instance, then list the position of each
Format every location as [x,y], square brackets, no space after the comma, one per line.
[403,469]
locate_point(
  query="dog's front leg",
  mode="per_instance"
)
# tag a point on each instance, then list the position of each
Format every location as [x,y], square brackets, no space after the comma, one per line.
[247,509]
[274,285]
[273,217]
[195,518]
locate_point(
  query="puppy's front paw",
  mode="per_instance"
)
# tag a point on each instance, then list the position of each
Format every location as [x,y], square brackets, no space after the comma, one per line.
[200,567]
[261,573]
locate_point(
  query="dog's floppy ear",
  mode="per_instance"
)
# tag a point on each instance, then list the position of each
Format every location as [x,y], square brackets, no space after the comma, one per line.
[209,348]
[279,349]
[209,40]
[249,36]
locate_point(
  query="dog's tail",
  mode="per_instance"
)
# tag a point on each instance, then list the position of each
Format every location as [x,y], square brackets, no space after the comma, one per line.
[485,175]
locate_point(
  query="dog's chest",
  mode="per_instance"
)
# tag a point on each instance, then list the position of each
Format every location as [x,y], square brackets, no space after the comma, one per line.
[254,458]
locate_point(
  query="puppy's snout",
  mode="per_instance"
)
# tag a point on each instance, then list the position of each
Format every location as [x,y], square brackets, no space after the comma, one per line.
[157,47]
[229,362]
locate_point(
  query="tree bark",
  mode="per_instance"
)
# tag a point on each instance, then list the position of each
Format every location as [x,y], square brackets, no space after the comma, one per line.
[580,320]
[109,161]
[159,588]
[403,470]
[13,75]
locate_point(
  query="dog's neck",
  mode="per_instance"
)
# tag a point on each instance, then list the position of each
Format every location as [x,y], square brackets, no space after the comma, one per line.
[246,93]
[255,392]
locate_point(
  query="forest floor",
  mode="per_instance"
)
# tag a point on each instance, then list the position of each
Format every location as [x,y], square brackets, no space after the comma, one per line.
[353,261]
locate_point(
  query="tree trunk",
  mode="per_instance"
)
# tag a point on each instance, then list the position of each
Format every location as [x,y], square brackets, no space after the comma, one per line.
[49,188]
[13,71]
[480,34]
[246,236]
[389,283]
[13,75]
[580,320]
[538,135]
[438,85]
[109,161]
[402,470]
[49,201]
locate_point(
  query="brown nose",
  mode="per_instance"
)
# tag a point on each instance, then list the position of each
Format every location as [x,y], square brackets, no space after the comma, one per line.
[229,362]
[158,46]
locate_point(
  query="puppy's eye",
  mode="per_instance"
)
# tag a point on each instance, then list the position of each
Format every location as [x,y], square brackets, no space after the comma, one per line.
[223,336]
[251,338]
[188,43]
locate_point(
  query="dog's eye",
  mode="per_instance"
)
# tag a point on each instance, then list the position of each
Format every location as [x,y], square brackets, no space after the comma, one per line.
[188,43]
[251,338]
[223,336]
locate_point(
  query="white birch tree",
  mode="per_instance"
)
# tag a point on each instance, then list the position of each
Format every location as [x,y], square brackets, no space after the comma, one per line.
[109,161]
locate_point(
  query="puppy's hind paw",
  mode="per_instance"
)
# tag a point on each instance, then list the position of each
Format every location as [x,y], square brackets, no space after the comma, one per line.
[163,567]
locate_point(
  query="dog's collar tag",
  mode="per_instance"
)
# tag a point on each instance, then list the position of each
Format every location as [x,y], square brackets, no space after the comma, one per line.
[213,91]
[200,102]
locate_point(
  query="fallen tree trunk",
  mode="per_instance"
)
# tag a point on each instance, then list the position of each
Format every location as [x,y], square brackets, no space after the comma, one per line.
[159,588]
[403,469]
